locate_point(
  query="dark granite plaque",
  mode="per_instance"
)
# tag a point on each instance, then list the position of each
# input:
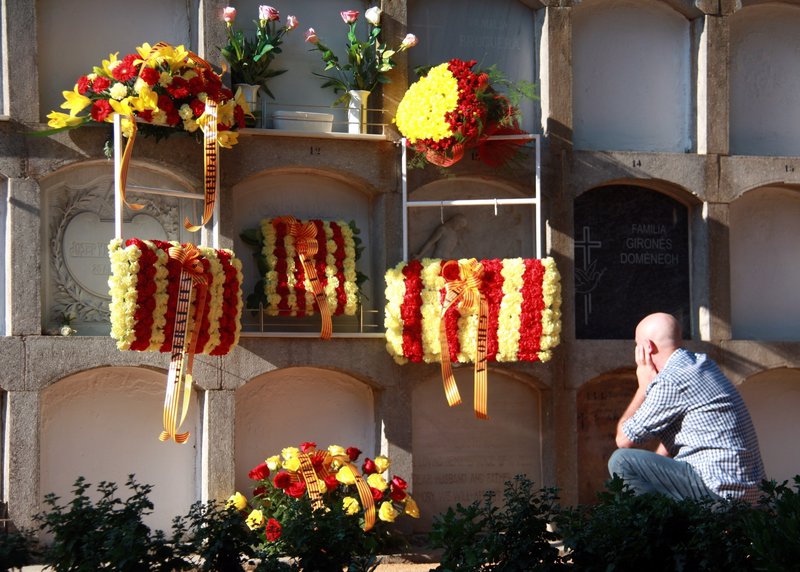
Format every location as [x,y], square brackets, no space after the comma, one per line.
[631,259]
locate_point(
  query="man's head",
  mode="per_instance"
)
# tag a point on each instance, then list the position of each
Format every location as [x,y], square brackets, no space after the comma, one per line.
[661,333]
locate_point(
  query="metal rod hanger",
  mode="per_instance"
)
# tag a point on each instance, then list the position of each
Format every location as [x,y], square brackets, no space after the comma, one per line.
[166,192]
[472,202]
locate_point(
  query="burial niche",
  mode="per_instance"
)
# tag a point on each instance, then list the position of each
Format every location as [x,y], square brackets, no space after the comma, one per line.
[631,259]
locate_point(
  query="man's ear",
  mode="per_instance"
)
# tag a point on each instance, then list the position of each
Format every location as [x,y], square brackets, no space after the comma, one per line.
[652,347]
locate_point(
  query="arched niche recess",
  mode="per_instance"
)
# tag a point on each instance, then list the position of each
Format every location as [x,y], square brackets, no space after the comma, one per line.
[77,225]
[631,67]
[765,264]
[286,407]
[502,232]
[773,398]
[304,195]
[765,80]
[600,403]
[632,258]
[457,458]
[505,33]
[103,424]
[58,24]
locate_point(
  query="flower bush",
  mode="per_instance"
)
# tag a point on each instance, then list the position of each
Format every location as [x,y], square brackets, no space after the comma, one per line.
[367,62]
[453,108]
[250,59]
[316,507]
[161,87]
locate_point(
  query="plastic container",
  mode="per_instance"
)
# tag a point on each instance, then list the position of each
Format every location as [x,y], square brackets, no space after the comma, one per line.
[307,121]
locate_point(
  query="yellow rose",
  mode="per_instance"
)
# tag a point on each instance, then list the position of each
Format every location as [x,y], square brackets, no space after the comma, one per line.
[238,501]
[292,464]
[411,508]
[345,476]
[387,512]
[377,482]
[274,463]
[337,451]
[290,452]
[382,463]
[350,505]
[255,519]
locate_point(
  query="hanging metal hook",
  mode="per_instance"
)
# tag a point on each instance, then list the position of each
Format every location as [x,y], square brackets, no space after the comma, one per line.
[495,206]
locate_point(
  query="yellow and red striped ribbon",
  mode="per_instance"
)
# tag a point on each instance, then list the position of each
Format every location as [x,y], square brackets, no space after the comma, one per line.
[210,166]
[465,290]
[179,378]
[305,243]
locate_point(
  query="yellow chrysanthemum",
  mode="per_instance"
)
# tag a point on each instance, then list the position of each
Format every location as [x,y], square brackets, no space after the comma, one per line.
[421,113]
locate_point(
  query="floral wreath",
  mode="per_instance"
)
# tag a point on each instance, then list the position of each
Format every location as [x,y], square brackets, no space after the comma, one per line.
[452,109]
[163,87]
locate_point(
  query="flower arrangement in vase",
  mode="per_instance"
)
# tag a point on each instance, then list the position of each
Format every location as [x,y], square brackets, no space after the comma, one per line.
[368,63]
[454,107]
[316,507]
[163,87]
[250,59]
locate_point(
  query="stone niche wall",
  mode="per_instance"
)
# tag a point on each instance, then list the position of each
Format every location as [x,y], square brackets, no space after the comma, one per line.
[773,398]
[765,274]
[631,76]
[3,226]
[286,407]
[103,424]
[765,80]
[458,457]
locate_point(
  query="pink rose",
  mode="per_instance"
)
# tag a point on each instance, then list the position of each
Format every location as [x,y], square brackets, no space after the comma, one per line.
[409,41]
[291,22]
[311,36]
[268,13]
[229,14]
[349,16]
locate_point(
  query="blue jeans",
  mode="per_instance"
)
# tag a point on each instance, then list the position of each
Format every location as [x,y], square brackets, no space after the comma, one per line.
[648,472]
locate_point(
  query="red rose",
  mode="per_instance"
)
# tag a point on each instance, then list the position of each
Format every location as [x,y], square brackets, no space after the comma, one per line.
[330,482]
[273,530]
[259,472]
[368,467]
[297,489]
[376,494]
[282,480]
[353,453]
[308,446]
[399,483]
[397,495]
[100,110]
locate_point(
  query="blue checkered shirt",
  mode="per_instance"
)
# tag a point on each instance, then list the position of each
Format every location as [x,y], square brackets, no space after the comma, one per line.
[697,413]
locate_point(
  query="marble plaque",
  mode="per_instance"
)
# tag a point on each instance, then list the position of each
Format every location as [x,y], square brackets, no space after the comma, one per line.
[457,458]
[631,259]
[85,247]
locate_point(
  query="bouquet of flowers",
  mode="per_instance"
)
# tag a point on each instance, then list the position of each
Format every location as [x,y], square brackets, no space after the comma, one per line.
[453,108]
[161,86]
[316,507]
[250,59]
[367,61]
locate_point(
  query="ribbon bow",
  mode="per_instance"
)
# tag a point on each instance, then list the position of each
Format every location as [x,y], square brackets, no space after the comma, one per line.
[465,290]
[314,489]
[305,242]
[179,378]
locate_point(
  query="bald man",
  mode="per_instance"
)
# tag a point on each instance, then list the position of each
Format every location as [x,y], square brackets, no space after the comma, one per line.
[708,446]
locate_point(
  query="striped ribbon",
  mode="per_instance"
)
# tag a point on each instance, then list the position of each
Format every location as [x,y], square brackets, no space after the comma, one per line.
[305,243]
[465,291]
[179,378]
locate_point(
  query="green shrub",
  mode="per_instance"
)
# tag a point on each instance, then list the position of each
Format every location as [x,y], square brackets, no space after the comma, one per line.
[16,549]
[218,536]
[511,538]
[774,531]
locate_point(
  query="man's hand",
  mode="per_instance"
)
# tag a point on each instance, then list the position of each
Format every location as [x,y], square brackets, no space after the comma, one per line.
[645,368]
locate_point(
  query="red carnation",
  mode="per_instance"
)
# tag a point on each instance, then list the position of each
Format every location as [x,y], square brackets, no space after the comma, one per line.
[451,272]
[83,84]
[273,530]
[353,453]
[100,110]
[368,467]
[150,76]
[179,88]
[259,472]
[282,480]
[296,489]
[197,85]
[100,84]
[307,446]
